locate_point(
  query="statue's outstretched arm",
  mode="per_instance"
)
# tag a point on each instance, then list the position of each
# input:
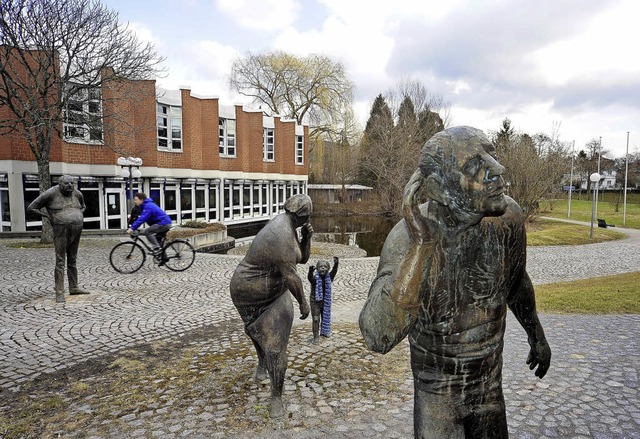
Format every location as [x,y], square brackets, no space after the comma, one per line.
[334,270]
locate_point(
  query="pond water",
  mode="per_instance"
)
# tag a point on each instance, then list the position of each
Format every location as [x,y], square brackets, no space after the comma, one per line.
[367,232]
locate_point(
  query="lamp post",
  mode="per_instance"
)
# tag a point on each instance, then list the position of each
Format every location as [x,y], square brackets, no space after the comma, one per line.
[571,180]
[128,164]
[598,172]
[626,172]
[343,147]
[595,177]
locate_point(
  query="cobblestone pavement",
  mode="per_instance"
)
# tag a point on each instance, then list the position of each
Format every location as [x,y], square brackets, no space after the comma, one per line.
[591,389]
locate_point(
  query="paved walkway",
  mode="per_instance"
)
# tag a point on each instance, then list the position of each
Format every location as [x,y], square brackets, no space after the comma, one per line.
[591,389]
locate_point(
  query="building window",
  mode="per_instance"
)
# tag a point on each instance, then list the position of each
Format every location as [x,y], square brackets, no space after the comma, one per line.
[274,197]
[83,115]
[299,150]
[236,200]
[91,193]
[186,203]
[226,200]
[171,201]
[169,127]
[5,207]
[201,202]
[264,199]
[268,151]
[246,200]
[31,191]
[214,190]
[227,137]
[282,197]
[255,200]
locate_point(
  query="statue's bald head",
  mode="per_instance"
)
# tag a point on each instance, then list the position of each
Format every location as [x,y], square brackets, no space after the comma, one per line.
[461,171]
[300,205]
[447,151]
[65,183]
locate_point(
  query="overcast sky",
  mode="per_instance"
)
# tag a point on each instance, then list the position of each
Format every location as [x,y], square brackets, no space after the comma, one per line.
[568,63]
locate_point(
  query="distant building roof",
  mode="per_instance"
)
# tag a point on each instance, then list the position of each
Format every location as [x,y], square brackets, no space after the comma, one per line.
[338,186]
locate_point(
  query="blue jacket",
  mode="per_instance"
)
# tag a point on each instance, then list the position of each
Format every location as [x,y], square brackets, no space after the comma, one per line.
[151,214]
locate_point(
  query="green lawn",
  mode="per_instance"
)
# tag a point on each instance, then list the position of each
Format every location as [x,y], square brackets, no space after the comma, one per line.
[618,294]
[604,295]
[581,210]
[549,232]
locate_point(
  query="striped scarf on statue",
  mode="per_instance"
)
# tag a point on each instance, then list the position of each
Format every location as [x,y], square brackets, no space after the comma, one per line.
[325,329]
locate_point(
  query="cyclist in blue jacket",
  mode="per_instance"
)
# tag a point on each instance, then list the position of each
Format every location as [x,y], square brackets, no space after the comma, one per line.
[156,218]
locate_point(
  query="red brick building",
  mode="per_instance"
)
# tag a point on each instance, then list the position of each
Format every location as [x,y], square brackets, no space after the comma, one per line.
[200,160]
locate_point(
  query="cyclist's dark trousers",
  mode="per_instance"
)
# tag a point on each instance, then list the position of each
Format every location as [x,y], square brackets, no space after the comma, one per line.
[151,232]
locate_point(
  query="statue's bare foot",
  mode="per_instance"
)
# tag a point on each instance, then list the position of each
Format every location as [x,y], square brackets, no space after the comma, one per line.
[314,340]
[277,408]
[261,374]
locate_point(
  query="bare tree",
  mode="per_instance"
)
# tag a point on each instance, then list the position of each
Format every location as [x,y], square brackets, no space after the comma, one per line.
[62,61]
[334,157]
[534,166]
[399,125]
[314,87]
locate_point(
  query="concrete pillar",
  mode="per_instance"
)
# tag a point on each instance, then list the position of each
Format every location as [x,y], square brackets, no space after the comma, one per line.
[16,202]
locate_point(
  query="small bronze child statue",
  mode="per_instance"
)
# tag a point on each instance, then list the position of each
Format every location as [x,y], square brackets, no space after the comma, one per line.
[320,297]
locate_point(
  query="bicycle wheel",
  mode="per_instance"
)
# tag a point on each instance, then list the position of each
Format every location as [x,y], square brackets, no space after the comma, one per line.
[178,255]
[127,257]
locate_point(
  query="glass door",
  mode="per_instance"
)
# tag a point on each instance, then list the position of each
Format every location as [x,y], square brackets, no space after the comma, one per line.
[115,210]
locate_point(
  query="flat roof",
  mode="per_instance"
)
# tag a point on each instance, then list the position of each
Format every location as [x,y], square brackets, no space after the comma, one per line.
[338,186]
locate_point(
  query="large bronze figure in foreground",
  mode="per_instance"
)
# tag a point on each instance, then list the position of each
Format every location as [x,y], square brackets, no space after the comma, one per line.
[260,289]
[447,273]
[63,205]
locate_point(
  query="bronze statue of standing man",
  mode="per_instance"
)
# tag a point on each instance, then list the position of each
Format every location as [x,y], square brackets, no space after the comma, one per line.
[63,205]
[447,274]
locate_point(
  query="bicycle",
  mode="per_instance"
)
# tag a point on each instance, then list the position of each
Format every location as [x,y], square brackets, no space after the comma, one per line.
[129,256]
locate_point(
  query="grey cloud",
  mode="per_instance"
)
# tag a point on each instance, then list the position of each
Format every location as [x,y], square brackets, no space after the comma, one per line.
[489,43]
[597,93]
[489,49]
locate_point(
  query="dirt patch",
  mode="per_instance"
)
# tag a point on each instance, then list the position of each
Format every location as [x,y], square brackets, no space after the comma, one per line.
[203,380]
[56,402]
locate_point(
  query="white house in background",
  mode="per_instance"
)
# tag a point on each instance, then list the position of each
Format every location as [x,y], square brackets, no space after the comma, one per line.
[607,179]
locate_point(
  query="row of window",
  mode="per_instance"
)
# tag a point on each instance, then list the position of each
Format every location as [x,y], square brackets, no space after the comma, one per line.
[83,121]
[227,142]
[204,200]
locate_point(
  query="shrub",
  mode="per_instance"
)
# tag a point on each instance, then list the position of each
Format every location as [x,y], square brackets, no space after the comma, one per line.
[190,228]
[196,224]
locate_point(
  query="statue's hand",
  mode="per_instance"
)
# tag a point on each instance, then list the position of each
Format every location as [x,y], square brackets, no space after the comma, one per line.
[42,212]
[307,231]
[540,356]
[416,224]
[304,310]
